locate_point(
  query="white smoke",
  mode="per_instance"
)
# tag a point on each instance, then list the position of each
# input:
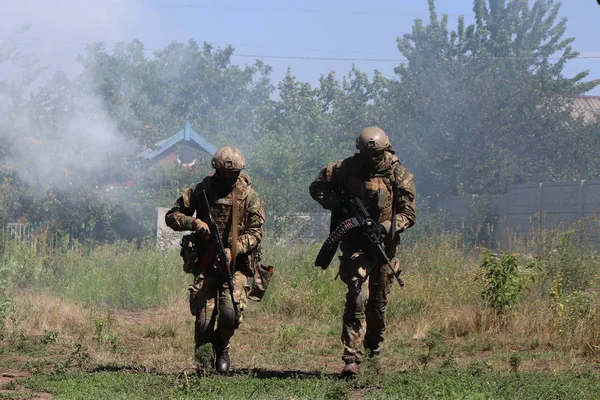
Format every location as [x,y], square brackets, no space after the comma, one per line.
[52,152]
[59,29]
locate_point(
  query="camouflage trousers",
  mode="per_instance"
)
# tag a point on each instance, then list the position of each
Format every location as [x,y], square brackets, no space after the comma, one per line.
[366,302]
[216,321]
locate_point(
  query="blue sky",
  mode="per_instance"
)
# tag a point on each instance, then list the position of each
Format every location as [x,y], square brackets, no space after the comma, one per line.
[348,29]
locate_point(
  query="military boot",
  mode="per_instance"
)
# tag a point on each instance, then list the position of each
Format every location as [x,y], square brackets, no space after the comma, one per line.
[350,370]
[222,362]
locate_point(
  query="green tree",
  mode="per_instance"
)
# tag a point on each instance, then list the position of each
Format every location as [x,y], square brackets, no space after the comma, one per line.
[20,71]
[76,181]
[152,97]
[305,130]
[487,105]
[293,144]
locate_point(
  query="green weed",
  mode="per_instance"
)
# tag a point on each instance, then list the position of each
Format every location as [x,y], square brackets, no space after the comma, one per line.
[504,281]
[12,385]
[289,335]
[119,275]
[475,382]
[515,360]
[479,367]
[164,331]
[48,337]
[19,395]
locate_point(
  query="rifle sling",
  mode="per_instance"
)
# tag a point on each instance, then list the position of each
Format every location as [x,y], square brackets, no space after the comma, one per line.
[394,211]
[234,228]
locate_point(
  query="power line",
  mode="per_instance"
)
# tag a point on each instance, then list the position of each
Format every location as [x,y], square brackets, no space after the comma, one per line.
[307,49]
[354,59]
[296,10]
[424,14]
[319,58]
[113,45]
[397,59]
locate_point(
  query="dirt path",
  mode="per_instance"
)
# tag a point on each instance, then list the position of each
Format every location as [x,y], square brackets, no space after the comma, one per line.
[8,379]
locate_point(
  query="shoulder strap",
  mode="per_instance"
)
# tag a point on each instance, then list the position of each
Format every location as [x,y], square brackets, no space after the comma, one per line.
[394,198]
[234,228]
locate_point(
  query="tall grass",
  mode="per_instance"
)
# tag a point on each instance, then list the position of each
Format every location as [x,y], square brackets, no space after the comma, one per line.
[121,275]
[441,292]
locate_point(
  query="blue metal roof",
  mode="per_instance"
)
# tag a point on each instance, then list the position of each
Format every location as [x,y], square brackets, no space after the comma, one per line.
[187,135]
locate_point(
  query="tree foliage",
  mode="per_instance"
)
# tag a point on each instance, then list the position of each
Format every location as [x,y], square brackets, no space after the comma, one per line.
[474,109]
[151,97]
[486,105]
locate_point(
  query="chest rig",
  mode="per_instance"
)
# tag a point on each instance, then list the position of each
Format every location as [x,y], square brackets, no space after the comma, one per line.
[221,207]
[375,190]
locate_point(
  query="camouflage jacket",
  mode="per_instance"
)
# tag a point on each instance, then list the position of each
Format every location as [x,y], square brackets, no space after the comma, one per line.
[374,189]
[251,214]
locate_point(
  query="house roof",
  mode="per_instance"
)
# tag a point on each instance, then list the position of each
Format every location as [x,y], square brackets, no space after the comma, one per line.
[187,136]
[587,106]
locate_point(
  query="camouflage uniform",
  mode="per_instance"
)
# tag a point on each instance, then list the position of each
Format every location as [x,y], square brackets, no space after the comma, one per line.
[364,314]
[211,303]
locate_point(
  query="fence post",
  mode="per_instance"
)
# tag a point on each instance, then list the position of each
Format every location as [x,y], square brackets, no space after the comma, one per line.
[581,200]
[580,211]
[541,205]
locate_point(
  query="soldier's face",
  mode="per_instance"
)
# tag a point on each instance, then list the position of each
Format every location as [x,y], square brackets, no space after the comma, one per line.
[227,178]
[228,175]
[372,158]
[373,153]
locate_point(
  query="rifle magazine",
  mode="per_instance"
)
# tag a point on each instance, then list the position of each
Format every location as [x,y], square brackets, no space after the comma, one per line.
[329,247]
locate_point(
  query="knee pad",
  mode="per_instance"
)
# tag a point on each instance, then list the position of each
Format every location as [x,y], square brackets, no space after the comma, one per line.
[203,325]
[355,307]
[227,318]
[203,331]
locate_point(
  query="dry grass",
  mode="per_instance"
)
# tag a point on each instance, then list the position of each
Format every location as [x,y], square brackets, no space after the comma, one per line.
[298,324]
[162,339]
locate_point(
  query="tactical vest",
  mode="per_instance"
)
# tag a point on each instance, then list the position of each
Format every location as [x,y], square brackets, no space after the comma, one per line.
[375,190]
[221,210]
[220,207]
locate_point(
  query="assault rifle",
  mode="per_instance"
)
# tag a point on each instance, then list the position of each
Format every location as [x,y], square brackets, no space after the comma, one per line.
[221,257]
[359,219]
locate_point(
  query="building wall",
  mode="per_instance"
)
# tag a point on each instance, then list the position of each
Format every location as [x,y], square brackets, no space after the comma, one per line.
[166,237]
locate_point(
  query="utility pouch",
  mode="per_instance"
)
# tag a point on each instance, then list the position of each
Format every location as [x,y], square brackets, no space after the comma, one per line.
[189,253]
[260,277]
[260,281]
[197,256]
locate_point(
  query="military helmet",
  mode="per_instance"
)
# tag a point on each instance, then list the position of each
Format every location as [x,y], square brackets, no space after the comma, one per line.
[372,138]
[229,158]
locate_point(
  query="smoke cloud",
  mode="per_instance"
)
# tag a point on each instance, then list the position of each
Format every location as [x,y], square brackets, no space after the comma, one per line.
[81,138]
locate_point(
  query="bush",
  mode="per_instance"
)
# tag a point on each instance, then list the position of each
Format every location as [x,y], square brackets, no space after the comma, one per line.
[504,281]
[564,257]
[5,301]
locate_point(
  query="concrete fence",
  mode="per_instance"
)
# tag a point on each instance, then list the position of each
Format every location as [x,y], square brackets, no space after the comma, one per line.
[548,205]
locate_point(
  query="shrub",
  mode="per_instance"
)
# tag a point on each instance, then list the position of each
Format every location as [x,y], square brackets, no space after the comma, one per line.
[5,301]
[504,280]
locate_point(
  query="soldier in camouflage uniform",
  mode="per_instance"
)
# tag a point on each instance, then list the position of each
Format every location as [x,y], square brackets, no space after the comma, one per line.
[374,175]
[210,301]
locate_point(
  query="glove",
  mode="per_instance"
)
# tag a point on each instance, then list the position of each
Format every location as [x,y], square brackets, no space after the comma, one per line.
[228,256]
[201,229]
[382,229]
[402,223]
[342,213]
[333,203]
